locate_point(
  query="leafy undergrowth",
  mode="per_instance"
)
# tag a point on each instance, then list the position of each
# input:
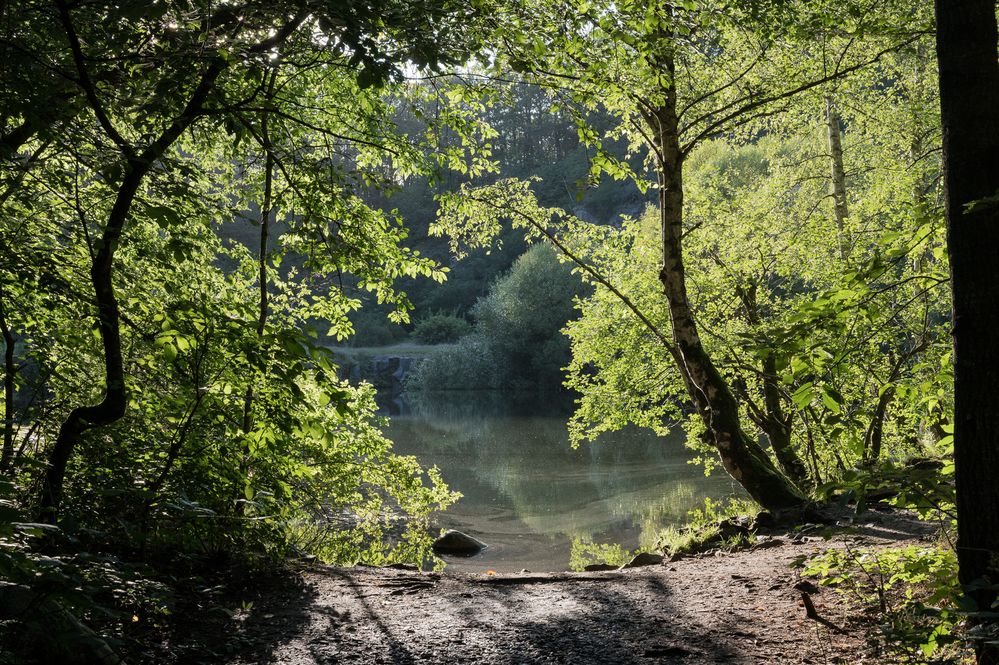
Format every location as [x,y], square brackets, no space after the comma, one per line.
[910,594]
[585,553]
[71,594]
[716,526]
[724,526]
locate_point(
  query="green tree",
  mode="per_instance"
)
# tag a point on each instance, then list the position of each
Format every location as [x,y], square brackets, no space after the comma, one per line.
[169,388]
[517,341]
[145,101]
[522,316]
[675,76]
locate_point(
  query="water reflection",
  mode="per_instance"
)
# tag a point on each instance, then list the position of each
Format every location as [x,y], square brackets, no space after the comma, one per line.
[528,494]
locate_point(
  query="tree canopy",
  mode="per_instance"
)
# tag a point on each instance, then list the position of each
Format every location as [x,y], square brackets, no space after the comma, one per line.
[744,217]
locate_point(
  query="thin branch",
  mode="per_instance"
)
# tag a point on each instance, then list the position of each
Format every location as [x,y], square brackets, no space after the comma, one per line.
[751,104]
[87,84]
[592,272]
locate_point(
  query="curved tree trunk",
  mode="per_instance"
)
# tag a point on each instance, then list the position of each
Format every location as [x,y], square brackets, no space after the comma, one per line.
[741,456]
[112,407]
[969,101]
[113,404]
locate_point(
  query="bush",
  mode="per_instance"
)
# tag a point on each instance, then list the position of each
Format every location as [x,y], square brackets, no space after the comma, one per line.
[716,525]
[585,553]
[441,328]
[372,327]
[912,593]
[470,364]
[518,341]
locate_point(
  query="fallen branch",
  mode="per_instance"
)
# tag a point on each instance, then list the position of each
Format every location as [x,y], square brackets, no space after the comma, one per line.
[544,579]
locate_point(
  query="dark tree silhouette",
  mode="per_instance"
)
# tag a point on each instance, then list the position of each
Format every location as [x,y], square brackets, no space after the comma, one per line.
[969,100]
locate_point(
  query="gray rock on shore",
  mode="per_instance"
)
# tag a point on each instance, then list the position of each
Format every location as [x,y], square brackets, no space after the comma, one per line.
[458,544]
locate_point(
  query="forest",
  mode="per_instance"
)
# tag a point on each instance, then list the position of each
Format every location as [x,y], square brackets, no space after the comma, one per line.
[745,250]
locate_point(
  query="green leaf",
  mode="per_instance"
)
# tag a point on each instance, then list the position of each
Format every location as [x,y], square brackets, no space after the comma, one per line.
[163,216]
[831,399]
[803,396]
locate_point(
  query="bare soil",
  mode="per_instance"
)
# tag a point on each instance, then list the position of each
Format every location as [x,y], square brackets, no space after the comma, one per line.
[739,607]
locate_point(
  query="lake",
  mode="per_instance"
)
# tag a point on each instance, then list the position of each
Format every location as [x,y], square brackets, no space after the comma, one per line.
[529,495]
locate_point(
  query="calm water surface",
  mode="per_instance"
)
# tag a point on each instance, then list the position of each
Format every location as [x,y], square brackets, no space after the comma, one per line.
[529,495]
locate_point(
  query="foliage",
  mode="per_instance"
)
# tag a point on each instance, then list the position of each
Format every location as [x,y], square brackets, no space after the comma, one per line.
[533,138]
[196,199]
[584,553]
[372,327]
[468,364]
[803,320]
[803,315]
[516,341]
[925,486]
[172,403]
[522,316]
[911,591]
[46,596]
[440,328]
[674,79]
[707,528]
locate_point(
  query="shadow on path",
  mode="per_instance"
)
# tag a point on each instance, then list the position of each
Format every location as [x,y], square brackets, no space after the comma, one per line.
[346,616]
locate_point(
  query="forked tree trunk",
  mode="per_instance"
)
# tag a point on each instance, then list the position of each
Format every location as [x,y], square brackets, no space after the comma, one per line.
[741,456]
[969,101]
[772,419]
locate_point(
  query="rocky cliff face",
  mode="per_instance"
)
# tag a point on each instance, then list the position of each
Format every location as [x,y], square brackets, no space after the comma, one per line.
[384,372]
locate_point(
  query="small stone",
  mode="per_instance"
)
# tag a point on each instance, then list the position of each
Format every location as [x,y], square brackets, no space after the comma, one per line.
[458,544]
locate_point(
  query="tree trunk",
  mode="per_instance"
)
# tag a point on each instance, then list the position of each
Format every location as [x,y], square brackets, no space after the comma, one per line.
[772,420]
[9,370]
[741,456]
[837,177]
[112,407]
[969,101]
[266,207]
[262,305]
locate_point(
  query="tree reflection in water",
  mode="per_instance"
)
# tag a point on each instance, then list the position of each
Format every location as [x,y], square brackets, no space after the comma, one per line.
[529,494]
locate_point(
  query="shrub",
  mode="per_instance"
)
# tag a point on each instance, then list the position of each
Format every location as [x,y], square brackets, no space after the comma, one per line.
[912,592]
[585,553]
[441,328]
[518,341]
[470,364]
[372,327]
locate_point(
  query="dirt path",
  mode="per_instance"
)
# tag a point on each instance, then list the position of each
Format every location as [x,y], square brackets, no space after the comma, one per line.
[735,608]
